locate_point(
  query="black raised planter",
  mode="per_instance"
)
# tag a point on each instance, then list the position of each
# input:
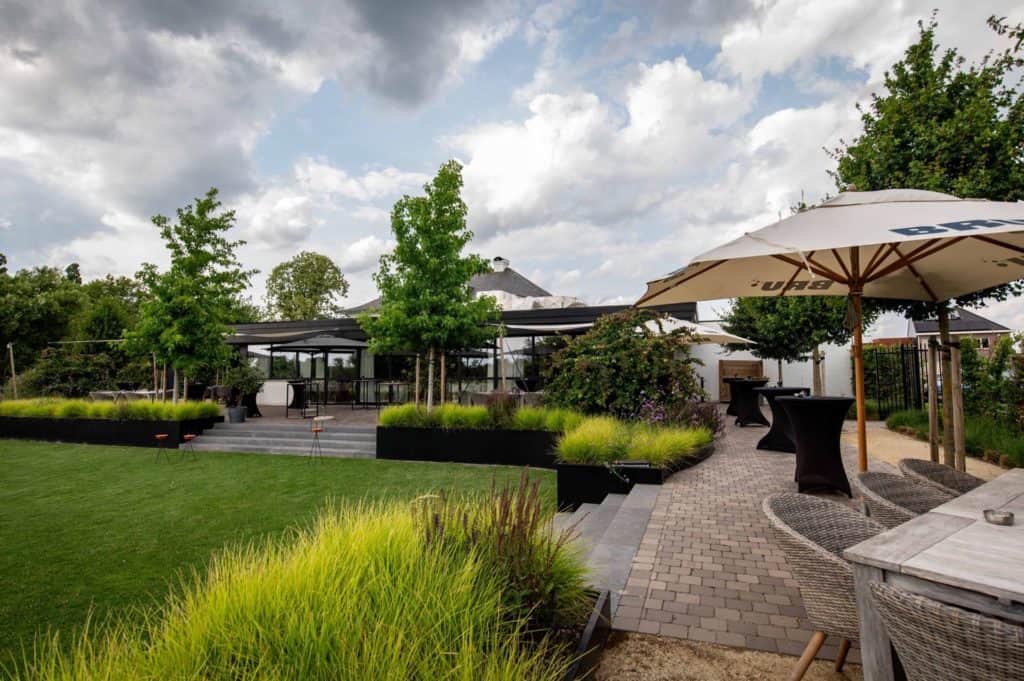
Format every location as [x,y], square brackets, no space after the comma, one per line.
[582,483]
[595,635]
[534,448]
[103,431]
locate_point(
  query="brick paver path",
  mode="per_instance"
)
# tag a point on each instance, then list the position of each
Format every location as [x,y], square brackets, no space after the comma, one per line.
[707,569]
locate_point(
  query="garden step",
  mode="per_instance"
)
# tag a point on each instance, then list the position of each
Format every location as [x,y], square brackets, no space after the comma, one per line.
[254,430]
[304,434]
[272,442]
[611,558]
[299,450]
[598,520]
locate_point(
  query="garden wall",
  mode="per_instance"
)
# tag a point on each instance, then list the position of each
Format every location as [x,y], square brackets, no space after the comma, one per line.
[496,446]
[103,431]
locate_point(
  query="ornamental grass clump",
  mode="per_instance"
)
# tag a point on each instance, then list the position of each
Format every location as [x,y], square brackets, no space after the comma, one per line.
[661,446]
[142,410]
[458,417]
[561,420]
[366,594]
[544,579]
[597,439]
[402,416]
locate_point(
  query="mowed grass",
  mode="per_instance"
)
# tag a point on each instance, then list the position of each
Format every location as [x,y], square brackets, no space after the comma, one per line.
[86,528]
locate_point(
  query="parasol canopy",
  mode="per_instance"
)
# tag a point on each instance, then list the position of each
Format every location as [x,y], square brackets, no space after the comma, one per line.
[899,244]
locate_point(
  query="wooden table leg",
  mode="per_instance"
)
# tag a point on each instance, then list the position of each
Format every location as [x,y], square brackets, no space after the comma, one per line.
[875,647]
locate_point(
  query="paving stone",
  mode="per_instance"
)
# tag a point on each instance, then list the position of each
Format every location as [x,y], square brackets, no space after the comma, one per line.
[706,560]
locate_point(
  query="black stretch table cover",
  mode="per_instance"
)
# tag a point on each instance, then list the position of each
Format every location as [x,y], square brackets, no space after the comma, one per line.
[748,412]
[817,424]
[780,437]
[732,380]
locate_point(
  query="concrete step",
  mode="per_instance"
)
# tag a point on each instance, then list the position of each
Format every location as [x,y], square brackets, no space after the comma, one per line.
[244,429]
[611,558]
[304,436]
[272,442]
[331,452]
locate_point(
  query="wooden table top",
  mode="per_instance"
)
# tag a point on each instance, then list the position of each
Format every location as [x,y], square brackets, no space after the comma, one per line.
[954,545]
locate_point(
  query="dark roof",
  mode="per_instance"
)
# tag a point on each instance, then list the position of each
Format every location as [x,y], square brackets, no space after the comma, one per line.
[960,321]
[347,327]
[507,280]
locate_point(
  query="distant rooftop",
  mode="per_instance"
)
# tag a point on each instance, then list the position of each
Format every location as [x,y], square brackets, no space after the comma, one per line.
[960,321]
[501,278]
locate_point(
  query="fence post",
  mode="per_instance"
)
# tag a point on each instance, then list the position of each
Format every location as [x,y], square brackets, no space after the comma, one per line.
[959,440]
[933,402]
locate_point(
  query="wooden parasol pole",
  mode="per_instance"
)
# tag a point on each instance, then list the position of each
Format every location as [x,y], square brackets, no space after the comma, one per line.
[858,360]
[933,401]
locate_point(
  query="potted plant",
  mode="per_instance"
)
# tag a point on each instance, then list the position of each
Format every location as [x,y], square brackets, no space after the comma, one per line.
[241,381]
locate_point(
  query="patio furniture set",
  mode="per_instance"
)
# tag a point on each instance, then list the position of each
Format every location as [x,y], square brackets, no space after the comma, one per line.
[807,426]
[923,582]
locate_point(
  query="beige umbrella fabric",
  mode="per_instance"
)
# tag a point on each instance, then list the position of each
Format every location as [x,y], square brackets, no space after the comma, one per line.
[899,244]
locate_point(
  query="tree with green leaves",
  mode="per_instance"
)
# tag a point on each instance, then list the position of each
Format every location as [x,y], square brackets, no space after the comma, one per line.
[793,328]
[947,126]
[37,307]
[427,305]
[185,315]
[306,287]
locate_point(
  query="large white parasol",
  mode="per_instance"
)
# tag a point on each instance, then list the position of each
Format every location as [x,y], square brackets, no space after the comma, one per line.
[898,243]
[699,333]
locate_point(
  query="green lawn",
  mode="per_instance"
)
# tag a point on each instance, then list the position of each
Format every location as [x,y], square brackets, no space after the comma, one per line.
[86,526]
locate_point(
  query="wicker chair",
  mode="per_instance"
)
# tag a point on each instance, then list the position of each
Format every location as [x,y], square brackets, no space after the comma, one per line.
[813,533]
[937,642]
[946,479]
[893,499]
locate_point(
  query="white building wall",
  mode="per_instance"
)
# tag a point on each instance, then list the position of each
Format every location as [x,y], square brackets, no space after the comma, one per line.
[838,368]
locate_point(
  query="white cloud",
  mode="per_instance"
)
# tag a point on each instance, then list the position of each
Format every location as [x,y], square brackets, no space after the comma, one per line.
[364,253]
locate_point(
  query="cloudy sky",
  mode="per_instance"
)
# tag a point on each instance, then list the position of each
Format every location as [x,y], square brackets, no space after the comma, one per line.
[605,143]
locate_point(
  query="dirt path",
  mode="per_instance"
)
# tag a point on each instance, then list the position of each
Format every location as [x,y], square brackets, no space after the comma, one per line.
[890,446]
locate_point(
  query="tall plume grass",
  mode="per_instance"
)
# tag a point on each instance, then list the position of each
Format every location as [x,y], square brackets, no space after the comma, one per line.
[460,591]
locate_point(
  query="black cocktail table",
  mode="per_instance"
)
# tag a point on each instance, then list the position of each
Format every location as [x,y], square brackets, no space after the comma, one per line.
[732,380]
[817,423]
[748,413]
[780,437]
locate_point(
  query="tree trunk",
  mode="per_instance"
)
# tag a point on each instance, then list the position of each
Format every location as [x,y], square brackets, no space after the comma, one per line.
[184,387]
[779,380]
[430,379]
[174,388]
[959,443]
[816,360]
[416,396]
[948,441]
[444,377]
[156,381]
[163,384]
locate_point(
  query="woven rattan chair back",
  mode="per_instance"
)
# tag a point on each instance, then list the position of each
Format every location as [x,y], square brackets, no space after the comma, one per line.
[893,499]
[813,533]
[945,478]
[937,642]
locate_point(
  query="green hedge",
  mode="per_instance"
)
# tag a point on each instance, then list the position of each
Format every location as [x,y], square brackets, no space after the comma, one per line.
[981,433]
[460,591]
[142,410]
[458,417]
[604,439]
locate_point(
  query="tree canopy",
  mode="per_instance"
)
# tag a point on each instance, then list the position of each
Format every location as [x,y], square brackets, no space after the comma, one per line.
[947,126]
[185,315]
[306,287]
[426,300]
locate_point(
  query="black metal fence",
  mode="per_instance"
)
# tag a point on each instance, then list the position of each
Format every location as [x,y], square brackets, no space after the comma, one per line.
[895,378]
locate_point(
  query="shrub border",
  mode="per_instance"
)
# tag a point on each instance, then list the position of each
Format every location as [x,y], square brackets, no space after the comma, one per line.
[492,446]
[136,433]
[586,483]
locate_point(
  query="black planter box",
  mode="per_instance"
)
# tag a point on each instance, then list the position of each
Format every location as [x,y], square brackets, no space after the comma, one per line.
[595,636]
[583,483]
[534,448]
[103,431]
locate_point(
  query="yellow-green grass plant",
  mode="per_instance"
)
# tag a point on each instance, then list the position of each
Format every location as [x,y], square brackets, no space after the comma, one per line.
[660,446]
[458,417]
[141,410]
[561,420]
[363,595]
[597,439]
[605,439]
